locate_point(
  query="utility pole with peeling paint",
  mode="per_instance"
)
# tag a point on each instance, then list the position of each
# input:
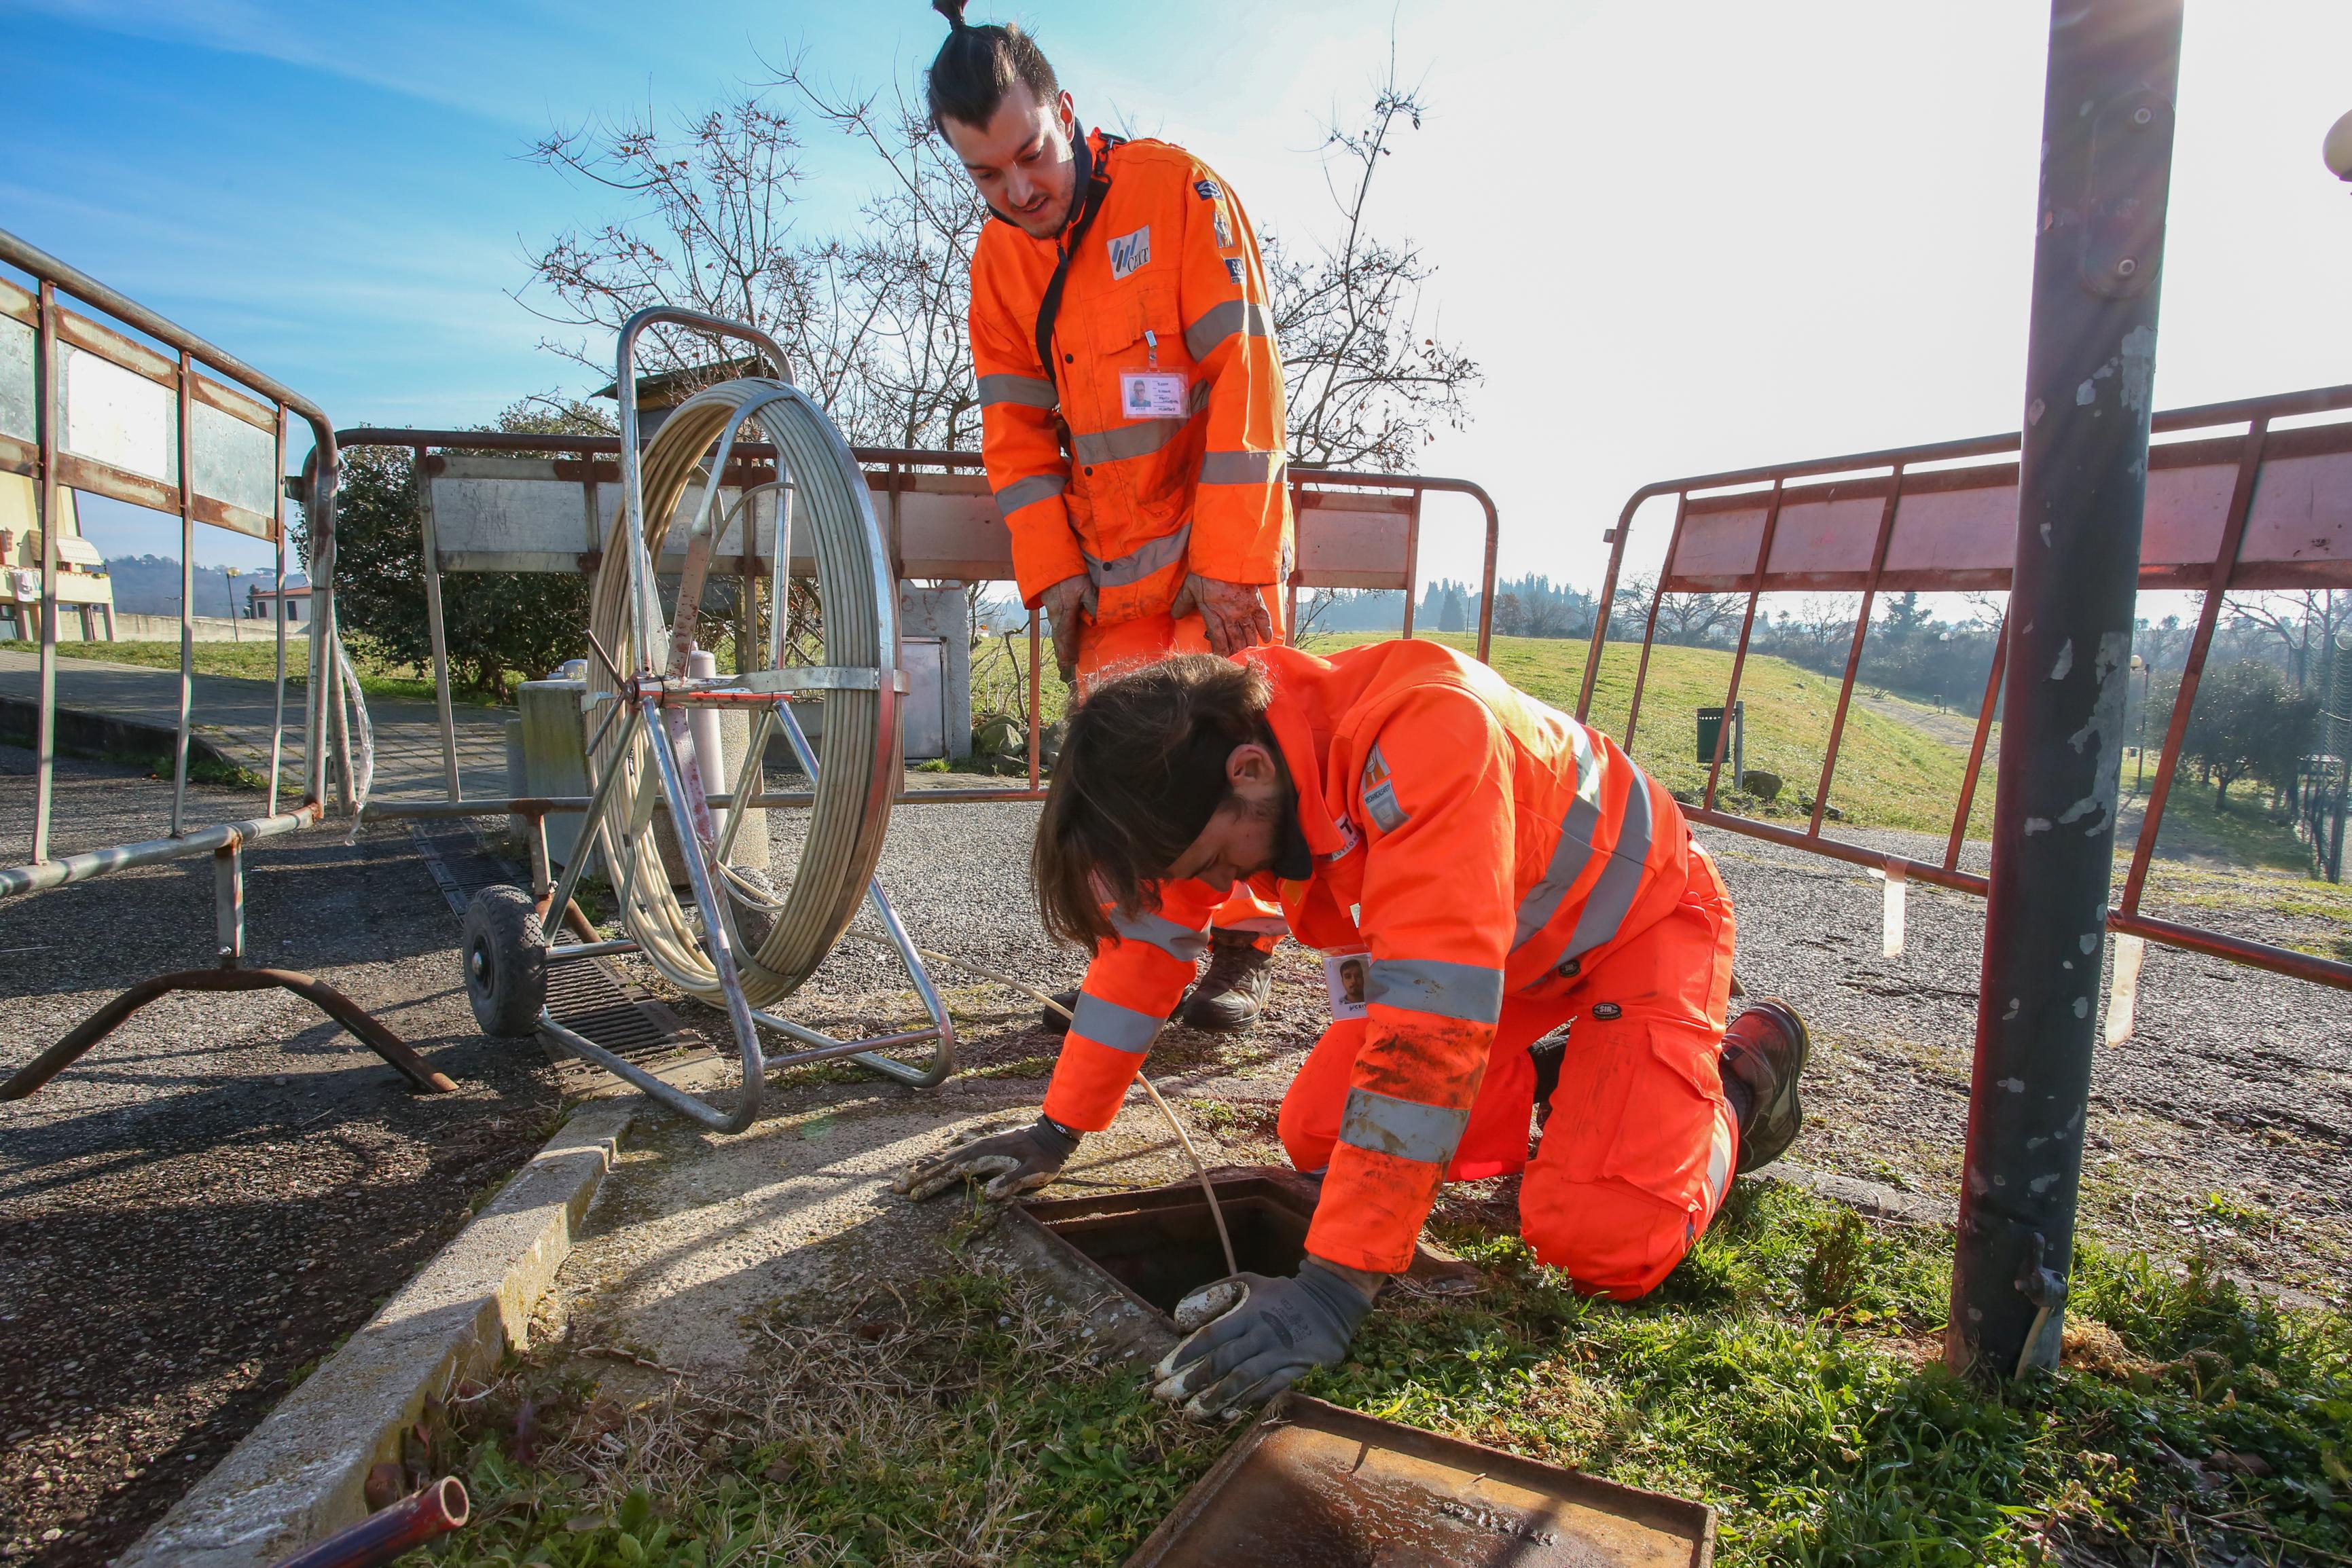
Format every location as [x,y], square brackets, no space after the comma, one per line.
[2107,165]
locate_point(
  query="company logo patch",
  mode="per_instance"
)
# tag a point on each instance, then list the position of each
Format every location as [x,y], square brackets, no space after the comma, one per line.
[1234,270]
[1380,794]
[1206,190]
[1129,252]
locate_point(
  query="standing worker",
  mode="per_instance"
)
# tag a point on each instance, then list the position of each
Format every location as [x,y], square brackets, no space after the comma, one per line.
[1131,403]
[1480,870]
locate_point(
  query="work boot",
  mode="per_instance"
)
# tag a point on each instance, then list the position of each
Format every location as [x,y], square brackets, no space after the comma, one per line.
[1233,991]
[1054,1020]
[1763,1056]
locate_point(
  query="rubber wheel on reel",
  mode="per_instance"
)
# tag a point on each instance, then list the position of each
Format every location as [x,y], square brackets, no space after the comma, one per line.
[504,955]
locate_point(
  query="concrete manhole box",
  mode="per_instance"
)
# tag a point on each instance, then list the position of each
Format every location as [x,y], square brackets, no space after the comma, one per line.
[1315,1486]
[1155,1244]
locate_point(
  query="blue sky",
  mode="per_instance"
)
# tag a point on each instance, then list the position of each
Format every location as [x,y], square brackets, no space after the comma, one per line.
[1680,238]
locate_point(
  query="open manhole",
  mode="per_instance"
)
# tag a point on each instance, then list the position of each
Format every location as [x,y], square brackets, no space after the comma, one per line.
[1155,1244]
[1314,1486]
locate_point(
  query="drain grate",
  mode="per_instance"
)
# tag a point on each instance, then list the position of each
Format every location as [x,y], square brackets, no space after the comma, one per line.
[588,1000]
[585,995]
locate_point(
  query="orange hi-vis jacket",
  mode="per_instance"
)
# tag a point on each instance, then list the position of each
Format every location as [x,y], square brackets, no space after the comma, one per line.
[1474,842]
[1153,445]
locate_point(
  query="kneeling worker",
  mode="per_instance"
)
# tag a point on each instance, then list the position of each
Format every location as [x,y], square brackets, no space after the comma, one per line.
[1483,870]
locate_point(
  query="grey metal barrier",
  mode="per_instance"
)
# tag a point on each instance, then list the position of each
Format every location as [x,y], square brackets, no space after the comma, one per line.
[86,406]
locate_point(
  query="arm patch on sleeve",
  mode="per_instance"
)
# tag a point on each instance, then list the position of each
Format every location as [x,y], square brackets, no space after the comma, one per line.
[1379,793]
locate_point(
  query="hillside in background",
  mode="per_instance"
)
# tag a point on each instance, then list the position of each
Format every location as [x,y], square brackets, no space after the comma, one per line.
[150,585]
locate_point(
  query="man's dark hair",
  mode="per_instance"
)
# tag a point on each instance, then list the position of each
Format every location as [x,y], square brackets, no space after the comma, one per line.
[1141,771]
[978,66]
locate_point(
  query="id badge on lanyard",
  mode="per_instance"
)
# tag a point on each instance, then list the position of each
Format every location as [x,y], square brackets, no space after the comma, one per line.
[1347,974]
[1152,393]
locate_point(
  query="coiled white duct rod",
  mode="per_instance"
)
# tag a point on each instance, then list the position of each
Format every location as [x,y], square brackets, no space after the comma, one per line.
[860,752]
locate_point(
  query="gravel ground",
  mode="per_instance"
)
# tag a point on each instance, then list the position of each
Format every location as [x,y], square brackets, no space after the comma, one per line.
[2224,1122]
[227,1185]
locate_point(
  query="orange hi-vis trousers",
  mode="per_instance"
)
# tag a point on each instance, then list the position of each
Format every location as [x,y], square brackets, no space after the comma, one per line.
[1105,653]
[1639,1146]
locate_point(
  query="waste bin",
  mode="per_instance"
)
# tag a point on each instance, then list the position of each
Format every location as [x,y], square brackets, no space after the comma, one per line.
[1710,734]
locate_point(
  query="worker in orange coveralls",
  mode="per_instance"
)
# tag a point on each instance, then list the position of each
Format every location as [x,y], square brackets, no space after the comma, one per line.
[1494,870]
[1131,403]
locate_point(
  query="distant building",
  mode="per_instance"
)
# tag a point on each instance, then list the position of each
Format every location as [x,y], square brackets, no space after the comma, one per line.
[85,591]
[292,601]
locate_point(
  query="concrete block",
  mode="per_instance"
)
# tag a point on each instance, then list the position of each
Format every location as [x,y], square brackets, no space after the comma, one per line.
[299,1476]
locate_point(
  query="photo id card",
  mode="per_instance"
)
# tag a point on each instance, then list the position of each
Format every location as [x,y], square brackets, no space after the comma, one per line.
[1151,395]
[1346,975]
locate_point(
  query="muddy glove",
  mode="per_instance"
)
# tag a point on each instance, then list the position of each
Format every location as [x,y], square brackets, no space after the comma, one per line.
[1061,605]
[1252,1337]
[1233,614]
[1010,1163]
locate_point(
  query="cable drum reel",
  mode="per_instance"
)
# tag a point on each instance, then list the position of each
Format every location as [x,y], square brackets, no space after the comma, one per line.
[767,944]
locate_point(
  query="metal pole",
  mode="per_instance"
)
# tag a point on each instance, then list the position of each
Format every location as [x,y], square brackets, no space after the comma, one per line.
[187,598]
[1739,744]
[2107,118]
[229,901]
[429,544]
[277,708]
[45,509]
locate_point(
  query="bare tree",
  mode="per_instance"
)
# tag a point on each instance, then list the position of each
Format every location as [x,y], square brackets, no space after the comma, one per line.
[2302,621]
[896,336]
[1365,381]
[710,226]
[873,319]
[1686,618]
[1698,618]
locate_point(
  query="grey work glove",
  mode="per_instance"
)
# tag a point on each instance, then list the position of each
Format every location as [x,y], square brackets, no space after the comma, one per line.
[1010,1163]
[1061,605]
[1233,614]
[1252,1337]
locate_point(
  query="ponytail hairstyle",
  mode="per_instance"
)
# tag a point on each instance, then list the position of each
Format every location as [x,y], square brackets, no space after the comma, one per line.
[977,67]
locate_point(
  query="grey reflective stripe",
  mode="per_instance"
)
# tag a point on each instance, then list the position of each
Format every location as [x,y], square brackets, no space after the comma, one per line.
[1022,492]
[1574,851]
[1405,1128]
[1152,555]
[1240,467]
[1029,392]
[1222,321]
[1107,1023]
[1140,439]
[1621,879]
[1472,992]
[1177,941]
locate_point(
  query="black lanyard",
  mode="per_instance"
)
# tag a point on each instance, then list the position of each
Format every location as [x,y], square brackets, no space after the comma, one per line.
[1095,175]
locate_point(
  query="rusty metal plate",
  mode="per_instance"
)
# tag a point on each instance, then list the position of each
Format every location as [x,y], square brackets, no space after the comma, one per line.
[1315,1486]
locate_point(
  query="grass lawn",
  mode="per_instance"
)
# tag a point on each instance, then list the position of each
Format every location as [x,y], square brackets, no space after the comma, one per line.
[1786,1374]
[2249,834]
[256,661]
[1890,774]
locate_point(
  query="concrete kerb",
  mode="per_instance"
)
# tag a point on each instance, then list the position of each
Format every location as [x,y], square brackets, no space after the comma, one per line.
[298,1477]
[107,735]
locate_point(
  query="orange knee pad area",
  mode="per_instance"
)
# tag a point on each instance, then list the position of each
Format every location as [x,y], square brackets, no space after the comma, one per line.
[1635,1157]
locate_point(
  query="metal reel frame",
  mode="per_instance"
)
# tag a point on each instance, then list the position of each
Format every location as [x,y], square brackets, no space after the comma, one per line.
[651,705]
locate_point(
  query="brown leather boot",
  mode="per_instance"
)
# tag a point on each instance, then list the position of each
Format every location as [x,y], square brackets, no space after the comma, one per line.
[1764,1053]
[1233,991]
